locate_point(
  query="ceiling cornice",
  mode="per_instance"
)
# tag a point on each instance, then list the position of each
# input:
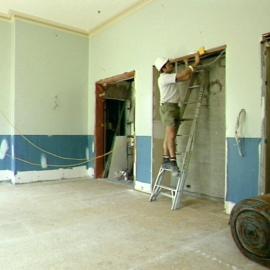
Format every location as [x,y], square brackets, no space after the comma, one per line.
[4,17]
[120,16]
[16,15]
[34,19]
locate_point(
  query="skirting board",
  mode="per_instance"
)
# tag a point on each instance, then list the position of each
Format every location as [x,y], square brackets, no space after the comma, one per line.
[144,187]
[228,207]
[35,176]
[6,175]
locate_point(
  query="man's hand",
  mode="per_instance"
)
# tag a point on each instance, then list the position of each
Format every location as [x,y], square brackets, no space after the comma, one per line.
[197,59]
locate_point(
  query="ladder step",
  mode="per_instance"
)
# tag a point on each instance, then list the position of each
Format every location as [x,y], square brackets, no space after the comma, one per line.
[183,135]
[194,86]
[165,169]
[167,188]
[182,153]
[169,170]
[187,119]
[166,194]
[192,102]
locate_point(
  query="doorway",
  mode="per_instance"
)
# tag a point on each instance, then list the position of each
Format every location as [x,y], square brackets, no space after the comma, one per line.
[206,170]
[115,127]
[265,170]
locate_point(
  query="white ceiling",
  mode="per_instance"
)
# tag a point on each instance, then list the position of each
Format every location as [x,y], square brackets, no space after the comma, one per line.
[83,14]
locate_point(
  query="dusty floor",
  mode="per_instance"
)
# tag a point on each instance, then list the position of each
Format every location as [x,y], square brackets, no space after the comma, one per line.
[89,224]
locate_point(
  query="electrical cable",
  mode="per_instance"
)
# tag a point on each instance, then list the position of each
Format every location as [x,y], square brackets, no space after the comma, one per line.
[213,62]
[59,165]
[84,161]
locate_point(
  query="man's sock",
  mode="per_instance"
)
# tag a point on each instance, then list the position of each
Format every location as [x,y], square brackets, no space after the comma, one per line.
[165,158]
[173,165]
[173,162]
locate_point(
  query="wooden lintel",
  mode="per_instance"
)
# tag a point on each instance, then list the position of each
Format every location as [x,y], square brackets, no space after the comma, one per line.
[207,54]
[118,78]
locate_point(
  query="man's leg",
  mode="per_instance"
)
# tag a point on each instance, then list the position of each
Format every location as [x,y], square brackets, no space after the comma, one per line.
[170,135]
[165,147]
[170,116]
[166,154]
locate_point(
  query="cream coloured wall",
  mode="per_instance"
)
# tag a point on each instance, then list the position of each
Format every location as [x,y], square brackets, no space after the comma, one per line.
[175,28]
[5,88]
[51,78]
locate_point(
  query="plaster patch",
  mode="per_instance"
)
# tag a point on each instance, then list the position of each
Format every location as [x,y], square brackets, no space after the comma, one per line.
[3,149]
[91,172]
[93,147]
[43,161]
[228,207]
[87,154]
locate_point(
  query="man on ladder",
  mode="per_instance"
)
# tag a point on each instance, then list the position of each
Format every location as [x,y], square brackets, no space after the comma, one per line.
[169,109]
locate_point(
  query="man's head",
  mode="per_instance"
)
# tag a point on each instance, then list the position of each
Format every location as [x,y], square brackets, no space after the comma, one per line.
[163,65]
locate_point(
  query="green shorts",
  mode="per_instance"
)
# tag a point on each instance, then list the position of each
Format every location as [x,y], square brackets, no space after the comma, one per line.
[170,114]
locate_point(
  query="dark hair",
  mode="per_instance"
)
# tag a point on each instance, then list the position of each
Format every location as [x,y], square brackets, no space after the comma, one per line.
[161,70]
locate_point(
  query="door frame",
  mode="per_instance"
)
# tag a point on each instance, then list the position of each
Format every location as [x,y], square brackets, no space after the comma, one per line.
[265,153]
[157,151]
[100,143]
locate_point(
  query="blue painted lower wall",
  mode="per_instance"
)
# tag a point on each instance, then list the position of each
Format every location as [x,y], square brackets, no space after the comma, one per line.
[143,158]
[70,146]
[76,147]
[243,172]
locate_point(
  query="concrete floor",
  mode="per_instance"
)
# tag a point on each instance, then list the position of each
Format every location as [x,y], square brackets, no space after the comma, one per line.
[89,224]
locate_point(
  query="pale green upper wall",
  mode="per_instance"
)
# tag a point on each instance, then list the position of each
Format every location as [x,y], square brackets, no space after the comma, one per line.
[51,80]
[175,28]
[5,62]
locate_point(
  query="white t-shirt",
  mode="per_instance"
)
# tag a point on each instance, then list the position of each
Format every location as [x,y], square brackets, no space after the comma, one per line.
[168,88]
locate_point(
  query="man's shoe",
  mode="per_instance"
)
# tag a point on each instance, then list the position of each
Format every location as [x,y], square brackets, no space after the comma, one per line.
[174,168]
[166,164]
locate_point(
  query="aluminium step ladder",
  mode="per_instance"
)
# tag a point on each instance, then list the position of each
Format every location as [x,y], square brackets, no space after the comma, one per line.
[175,193]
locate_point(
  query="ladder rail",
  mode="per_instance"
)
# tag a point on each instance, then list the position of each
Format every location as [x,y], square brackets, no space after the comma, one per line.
[192,129]
[188,152]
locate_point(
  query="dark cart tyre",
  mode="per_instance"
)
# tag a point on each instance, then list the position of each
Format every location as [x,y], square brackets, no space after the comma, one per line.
[250,227]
